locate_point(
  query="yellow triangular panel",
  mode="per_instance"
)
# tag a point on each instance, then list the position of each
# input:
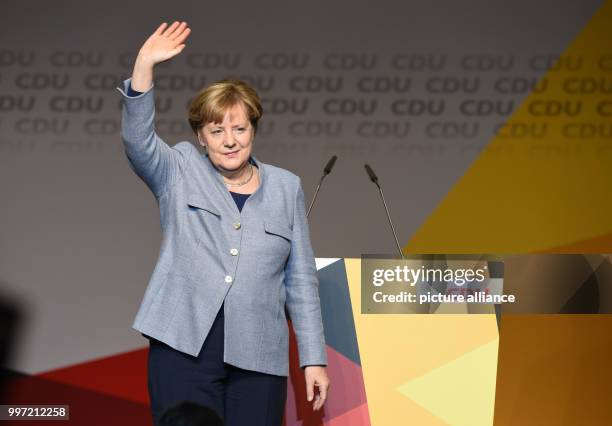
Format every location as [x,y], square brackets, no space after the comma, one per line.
[525,194]
[461,392]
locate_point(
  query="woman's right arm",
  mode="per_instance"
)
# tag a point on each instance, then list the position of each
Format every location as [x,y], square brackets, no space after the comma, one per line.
[158,165]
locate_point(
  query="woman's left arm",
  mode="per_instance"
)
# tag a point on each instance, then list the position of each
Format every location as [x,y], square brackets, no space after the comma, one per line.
[303,303]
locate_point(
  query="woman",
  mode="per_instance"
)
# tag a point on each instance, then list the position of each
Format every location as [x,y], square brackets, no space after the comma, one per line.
[235,251]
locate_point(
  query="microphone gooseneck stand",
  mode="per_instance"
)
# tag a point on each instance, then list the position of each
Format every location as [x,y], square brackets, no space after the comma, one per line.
[327,170]
[374,179]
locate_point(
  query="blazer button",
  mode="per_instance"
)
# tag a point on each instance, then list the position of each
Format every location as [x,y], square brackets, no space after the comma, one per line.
[228,279]
[237,225]
[234,251]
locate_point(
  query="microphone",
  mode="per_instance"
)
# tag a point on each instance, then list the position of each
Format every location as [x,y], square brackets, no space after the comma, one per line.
[374,179]
[327,170]
[372,175]
[330,165]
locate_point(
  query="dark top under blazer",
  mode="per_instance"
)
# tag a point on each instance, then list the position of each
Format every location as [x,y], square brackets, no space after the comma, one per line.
[253,262]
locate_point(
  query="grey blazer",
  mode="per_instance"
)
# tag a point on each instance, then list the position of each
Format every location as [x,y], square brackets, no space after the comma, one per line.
[256,261]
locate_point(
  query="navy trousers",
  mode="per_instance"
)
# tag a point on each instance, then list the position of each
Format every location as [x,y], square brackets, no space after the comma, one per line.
[240,397]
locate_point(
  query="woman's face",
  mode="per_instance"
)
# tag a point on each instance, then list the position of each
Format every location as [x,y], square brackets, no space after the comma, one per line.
[229,143]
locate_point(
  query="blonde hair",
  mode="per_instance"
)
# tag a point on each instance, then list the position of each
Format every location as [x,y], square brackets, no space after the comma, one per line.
[212,102]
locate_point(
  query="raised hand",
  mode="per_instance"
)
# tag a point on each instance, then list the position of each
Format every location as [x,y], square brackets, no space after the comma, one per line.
[165,43]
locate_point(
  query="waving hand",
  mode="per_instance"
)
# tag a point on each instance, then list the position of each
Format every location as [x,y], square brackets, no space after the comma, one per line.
[165,43]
